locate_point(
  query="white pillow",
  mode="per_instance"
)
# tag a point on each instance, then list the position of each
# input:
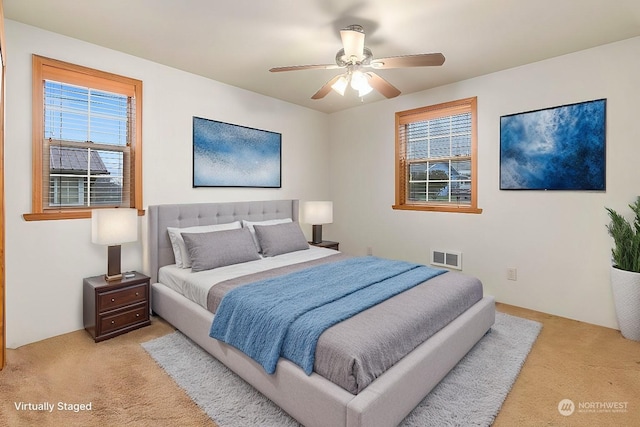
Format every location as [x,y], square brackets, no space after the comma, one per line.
[180,252]
[250,224]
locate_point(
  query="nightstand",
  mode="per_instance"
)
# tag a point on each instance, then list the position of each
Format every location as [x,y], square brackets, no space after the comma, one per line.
[327,244]
[114,308]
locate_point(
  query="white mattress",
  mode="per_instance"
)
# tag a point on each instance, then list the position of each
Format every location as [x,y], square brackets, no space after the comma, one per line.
[195,286]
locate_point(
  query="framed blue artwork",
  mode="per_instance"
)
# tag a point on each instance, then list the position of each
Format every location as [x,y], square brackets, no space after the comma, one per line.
[558,148]
[228,155]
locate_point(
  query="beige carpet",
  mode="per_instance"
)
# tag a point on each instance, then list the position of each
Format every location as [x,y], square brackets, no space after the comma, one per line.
[574,360]
[123,384]
[590,365]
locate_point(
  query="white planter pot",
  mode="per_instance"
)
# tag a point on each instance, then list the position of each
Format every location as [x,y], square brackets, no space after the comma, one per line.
[626,297]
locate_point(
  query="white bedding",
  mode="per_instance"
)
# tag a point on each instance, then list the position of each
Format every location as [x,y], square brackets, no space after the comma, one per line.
[195,286]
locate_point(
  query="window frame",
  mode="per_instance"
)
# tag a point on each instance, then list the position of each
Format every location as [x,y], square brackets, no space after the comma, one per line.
[51,69]
[403,118]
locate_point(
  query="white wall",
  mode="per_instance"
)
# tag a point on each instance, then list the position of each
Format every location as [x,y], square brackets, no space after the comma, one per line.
[556,240]
[46,260]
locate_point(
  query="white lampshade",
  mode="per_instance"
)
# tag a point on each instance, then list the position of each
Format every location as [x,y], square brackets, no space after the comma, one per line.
[114,226]
[340,85]
[358,80]
[317,212]
[364,89]
[353,42]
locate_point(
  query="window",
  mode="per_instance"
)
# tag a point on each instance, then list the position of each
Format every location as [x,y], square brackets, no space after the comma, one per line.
[436,158]
[87,141]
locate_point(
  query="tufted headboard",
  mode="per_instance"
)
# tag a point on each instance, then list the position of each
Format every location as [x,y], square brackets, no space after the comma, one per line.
[188,215]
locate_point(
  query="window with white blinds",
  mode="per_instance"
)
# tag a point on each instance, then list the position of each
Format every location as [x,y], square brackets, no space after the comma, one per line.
[87,140]
[436,158]
[86,136]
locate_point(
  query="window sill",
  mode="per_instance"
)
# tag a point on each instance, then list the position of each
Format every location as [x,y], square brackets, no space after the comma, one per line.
[68,214]
[439,208]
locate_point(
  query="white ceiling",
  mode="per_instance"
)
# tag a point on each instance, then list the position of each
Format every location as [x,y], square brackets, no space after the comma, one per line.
[237,41]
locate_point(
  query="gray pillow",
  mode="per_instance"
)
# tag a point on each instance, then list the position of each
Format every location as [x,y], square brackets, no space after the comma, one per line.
[281,238]
[219,248]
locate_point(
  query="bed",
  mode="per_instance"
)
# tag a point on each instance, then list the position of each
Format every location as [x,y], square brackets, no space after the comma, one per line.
[313,400]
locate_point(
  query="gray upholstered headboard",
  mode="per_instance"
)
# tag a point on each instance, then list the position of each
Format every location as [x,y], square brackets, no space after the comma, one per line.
[188,215]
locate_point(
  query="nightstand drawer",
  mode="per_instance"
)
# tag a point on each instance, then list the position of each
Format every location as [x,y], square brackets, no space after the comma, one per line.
[124,319]
[121,297]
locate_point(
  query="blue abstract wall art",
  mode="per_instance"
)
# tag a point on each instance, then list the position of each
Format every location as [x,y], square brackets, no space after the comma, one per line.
[558,148]
[228,155]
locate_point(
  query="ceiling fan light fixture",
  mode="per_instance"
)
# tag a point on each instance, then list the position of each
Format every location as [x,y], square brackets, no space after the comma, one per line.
[365,89]
[340,85]
[359,82]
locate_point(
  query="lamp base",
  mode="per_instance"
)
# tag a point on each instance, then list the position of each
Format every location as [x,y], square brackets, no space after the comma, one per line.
[317,234]
[113,263]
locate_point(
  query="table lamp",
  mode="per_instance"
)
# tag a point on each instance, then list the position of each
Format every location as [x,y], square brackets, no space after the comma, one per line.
[317,213]
[113,227]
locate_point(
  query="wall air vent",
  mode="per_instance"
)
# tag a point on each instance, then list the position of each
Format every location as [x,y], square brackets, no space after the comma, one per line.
[449,259]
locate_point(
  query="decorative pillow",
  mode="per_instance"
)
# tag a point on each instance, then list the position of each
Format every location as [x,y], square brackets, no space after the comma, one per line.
[250,224]
[219,248]
[280,238]
[180,251]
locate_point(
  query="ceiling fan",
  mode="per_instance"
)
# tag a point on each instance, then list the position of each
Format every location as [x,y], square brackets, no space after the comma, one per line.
[356,58]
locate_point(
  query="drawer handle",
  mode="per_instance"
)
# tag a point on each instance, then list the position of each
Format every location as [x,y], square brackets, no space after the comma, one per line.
[137,314]
[137,294]
[113,322]
[113,299]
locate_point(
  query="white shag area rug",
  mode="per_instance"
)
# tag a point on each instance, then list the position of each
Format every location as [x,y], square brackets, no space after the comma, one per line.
[470,395]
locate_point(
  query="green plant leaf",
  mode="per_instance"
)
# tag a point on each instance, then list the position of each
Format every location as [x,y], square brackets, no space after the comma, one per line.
[626,238]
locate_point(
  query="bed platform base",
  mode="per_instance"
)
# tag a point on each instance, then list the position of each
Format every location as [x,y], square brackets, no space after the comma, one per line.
[313,400]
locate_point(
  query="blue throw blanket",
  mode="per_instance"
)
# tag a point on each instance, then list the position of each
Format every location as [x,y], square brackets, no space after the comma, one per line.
[285,316]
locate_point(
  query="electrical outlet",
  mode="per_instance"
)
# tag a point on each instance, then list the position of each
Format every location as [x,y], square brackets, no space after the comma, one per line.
[512,273]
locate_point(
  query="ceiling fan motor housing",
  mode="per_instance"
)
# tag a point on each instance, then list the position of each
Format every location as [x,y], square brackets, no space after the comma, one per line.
[343,61]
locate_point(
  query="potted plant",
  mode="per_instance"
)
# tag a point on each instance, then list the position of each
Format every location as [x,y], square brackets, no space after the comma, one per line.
[625,271]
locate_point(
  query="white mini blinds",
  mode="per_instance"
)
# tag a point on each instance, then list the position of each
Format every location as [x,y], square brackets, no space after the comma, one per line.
[86,146]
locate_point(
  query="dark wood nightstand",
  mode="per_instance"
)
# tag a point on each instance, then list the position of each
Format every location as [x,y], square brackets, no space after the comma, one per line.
[327,244]
[114,308]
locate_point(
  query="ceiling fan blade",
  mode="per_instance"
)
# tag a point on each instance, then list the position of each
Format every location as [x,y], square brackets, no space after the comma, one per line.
[382,86]
[304,67]
[420,60]
[324,90]
[353,41]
